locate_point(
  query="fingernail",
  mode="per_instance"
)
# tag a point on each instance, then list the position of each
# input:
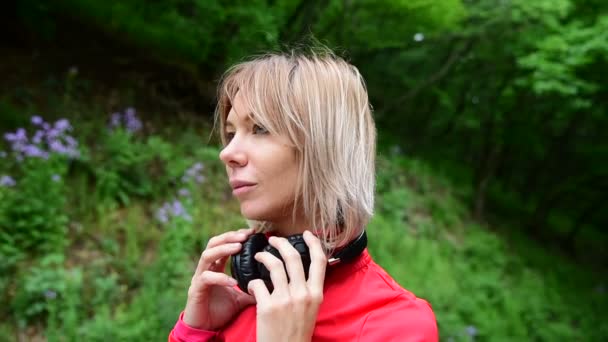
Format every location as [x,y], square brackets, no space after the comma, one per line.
[232,282]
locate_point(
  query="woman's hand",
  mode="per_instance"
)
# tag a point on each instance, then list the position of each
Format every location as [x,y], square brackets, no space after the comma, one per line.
[212,299]
[290,312]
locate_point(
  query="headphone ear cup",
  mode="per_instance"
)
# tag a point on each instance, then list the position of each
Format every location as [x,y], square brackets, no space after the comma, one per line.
[297,241]
[243,266]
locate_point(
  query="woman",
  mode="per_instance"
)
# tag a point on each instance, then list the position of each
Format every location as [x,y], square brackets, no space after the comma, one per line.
[299,150]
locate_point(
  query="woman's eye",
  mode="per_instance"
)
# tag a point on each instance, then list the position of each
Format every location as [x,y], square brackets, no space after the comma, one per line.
[257,129]
[228,136]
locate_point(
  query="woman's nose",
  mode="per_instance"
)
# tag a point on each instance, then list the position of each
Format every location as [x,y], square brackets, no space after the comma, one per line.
[234,154]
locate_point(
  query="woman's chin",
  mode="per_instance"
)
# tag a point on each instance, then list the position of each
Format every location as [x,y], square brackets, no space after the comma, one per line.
[253,215]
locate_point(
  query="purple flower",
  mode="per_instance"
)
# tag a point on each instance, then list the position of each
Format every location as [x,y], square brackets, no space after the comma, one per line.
[57,146]
[37,139]
[52,133]
[184,192]
[50,294]
[7,181]
[162,215]
[132,123]
[115,120]
[471,330]
[37,120]
[178,208]
[129,113]
[72,143]
[21,134]
[129,119]
[63,125]
[172,209]
[46,140]
[198,166]
[19,137]
[194,173]
[35,151]
[56,178]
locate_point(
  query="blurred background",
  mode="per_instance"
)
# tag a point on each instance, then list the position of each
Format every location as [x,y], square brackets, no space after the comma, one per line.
[492,183]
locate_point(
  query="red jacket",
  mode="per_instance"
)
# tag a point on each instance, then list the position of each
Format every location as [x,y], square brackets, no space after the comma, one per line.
[361,302]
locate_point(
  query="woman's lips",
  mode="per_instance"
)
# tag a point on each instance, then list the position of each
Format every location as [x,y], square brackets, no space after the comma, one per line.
[242,189]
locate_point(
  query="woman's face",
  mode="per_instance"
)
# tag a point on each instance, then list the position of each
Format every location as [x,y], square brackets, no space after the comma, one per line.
[262,169]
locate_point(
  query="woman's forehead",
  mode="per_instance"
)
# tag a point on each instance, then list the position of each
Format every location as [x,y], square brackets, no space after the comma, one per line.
[236,117]
[239,111]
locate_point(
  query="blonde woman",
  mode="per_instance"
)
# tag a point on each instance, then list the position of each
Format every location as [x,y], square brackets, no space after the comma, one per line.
[299,149]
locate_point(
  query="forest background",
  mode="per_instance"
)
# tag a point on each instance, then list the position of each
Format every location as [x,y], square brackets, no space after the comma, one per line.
[492,183]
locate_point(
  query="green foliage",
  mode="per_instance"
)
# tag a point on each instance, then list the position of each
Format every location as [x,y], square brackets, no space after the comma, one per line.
[188,34]
[48,287]
[479,286]
[125,166]
[559,57]
[367,26]
[32,213]
[514,95]
[151,313]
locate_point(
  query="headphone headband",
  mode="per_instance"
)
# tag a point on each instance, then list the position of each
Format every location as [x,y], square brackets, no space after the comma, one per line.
[352,250]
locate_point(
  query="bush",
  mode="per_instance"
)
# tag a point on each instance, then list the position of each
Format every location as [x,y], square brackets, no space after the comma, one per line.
[32,205]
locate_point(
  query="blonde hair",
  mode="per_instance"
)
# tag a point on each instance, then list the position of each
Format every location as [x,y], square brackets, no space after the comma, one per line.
[319,102]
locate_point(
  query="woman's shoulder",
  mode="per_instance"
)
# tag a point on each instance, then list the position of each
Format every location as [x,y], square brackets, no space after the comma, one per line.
[399,315]
[382,309]
[366,303]
[405,318]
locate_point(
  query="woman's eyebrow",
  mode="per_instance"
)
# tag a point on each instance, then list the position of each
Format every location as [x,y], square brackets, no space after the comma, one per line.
[248,118]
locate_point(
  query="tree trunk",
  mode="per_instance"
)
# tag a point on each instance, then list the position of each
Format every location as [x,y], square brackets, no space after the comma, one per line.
[485,176]
[491,153]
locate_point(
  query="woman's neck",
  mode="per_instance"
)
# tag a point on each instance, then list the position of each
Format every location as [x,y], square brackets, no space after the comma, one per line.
[289,226]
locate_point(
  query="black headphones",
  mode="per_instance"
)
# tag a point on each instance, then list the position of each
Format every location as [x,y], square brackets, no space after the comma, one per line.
[245,268]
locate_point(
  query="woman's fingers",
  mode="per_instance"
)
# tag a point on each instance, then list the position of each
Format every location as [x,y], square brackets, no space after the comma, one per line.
[318,261]
[211,257]
[244,299]
[277,271]
[232,236]
[207,278]
[293,261]
[259,291]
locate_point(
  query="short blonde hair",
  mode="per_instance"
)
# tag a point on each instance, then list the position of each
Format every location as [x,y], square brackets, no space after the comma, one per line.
[319,102]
